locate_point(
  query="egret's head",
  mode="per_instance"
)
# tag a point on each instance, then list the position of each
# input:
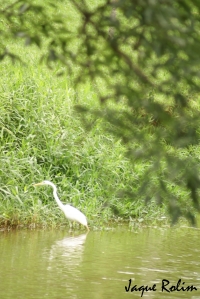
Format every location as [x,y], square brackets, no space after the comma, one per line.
[44,183]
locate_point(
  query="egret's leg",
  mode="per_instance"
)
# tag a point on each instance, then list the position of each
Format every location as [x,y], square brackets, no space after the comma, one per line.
[70,226]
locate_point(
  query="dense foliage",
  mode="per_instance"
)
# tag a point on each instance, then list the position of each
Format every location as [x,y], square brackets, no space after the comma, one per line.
[142,59]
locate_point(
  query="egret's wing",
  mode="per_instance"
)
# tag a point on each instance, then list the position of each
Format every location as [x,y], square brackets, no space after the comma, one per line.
[74,214]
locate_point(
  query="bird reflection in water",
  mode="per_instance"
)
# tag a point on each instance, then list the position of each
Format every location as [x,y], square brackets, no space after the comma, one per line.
[67,252]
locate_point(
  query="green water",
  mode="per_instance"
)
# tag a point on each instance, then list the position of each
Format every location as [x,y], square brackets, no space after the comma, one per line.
[56,264]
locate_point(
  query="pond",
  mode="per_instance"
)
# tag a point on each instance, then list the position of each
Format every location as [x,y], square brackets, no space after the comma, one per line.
[56,264]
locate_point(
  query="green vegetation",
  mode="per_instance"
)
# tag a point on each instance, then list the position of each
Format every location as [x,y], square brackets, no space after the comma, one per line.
[114,121]
[43,138]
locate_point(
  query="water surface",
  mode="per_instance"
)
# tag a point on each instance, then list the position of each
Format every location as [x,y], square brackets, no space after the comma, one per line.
[57,264]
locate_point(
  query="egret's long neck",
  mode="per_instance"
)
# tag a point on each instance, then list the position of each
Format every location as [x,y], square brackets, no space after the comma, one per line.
[57,198]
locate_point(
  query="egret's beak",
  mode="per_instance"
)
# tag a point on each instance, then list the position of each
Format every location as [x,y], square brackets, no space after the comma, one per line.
[38,184]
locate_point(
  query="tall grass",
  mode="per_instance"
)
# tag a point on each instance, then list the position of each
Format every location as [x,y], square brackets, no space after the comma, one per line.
[43,138]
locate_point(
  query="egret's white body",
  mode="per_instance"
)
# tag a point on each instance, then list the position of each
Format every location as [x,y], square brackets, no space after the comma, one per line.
[70,212]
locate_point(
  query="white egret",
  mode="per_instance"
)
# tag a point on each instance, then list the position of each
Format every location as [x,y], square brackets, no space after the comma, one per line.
[70,212]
